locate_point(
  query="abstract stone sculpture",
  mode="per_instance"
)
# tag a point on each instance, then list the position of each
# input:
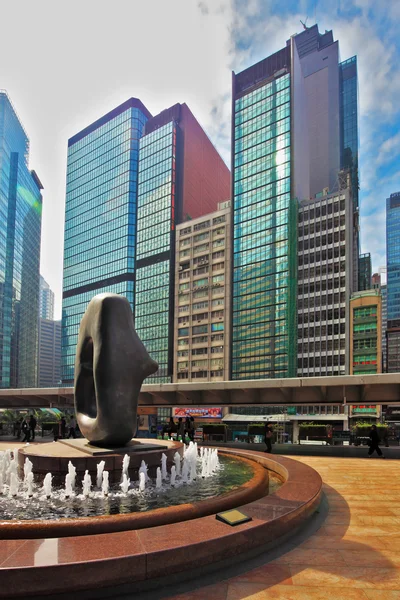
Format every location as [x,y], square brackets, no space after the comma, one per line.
[110,366]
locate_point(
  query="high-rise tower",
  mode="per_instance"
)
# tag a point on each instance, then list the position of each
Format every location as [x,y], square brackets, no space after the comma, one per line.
[289,145]
[181,177]
[20,227]
[393,282]
[100,216]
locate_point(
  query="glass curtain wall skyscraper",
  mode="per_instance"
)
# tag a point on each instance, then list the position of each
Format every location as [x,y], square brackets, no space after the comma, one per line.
[100,217]
[181,177]
[393,282]
[20,228]
[287,147]
[264,223]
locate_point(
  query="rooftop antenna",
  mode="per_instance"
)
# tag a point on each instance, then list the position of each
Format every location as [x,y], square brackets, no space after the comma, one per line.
[304,24]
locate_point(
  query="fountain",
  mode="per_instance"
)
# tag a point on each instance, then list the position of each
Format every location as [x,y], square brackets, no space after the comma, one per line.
[68,486]
[177,461]
[105,485]
[125,484]
[72,473]
[125,466]
[173,475]
[143,469]
[158,478]
[14,484]
[100,469]
[86,484]
[47,485]
[164,474]
[29,484]
[142,482]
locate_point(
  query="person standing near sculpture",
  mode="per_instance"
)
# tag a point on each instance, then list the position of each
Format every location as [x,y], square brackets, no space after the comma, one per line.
[32,427]
[26,430]
[72,427]
[181,428]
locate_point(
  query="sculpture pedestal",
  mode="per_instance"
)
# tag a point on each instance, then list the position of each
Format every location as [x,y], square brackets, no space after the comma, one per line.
[54,458]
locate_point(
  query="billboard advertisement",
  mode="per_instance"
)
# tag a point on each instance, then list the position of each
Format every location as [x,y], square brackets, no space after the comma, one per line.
[198,413]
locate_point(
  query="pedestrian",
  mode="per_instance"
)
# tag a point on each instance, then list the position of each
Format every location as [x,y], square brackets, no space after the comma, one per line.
[18,427]
[192,429]
[171,427]
[72,427]
[63,427]
[32,426]
[374,442]
[181,428]
[187,427]
[268,439]
[26,430]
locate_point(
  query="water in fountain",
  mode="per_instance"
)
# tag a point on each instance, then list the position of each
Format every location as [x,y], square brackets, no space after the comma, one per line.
[14,484]
[158,478]
[68,486]
[29,484]
[142,482]
[1,483]
[125,484]
[12,470]
[28,466]
[100,469]
[105,485]
[177,461]
[86,484]
[47,485]
[185,471]
[125,466]
[72,472]
[164,474]
[173,475]
[143,469]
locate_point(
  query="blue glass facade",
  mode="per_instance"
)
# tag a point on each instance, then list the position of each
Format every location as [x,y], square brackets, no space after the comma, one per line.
[100,217]
[20,227]
[393,256]
[349,120]
[155,247]
[263,230]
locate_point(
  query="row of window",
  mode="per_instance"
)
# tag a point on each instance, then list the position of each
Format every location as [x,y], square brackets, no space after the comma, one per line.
[327,269]
[201,374]
[321,315]
[270,89]
[201,305]
[321,361]
[326,224]
[332,206]
[318,286]
[323,345]
[201,339]
[197,329]
[323,330]
[331,253]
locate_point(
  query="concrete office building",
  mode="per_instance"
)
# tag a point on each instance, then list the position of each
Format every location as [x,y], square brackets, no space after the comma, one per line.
[100,217]
[393,282]
[294,128]
[181,177]
[325,283]
[49,355]
[202,297]
[20,229]
[365,333]
[46,301]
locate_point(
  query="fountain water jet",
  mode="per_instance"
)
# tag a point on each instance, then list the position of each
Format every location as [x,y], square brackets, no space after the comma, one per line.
[14,484]
[47,485]
[158,479]
[105,485]
[68,486]
[100,469]
[86,484]
[72,472]
[142,482]
[29,484]
[173,475]
[164,473]
[125,484]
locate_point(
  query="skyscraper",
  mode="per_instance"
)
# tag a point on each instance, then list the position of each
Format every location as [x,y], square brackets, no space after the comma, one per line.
[288,145]
[49,355]
[364,272]
[20,227]
[100,216]
[46,300]
[181,177]
[393,282]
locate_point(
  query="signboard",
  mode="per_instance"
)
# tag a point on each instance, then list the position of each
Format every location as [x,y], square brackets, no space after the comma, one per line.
[147,410]
[198,413]
[364,410]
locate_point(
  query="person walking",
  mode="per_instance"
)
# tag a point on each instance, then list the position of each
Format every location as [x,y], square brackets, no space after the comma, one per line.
[63,428]
[268,439]
[72,427]
[192,429]
[32,427]
[374,442]
[26,431]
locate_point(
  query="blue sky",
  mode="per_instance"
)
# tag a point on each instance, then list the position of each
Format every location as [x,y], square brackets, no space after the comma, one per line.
[365,28]
[75,61]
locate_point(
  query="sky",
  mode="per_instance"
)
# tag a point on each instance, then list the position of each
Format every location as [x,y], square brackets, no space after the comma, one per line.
[65,64]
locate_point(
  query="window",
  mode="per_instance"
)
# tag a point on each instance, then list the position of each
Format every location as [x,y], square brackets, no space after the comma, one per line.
[197,351]
[218,220]
[185,231]
[202,225]
[183,331]
[201,329]
[217,327]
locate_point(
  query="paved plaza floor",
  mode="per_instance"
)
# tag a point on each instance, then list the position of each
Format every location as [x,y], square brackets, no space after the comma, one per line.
[353,555]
